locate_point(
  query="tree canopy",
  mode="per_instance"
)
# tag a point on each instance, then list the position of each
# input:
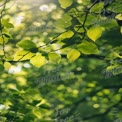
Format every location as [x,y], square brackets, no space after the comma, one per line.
[60,61]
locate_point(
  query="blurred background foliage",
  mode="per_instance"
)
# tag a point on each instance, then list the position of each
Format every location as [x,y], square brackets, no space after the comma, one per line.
[60,61]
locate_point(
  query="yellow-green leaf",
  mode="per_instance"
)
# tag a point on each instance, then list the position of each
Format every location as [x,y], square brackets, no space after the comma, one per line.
[54,57]
[38,60]
[65,3]
[7,65]
[119,17]
[26,44]
[95,32]
[88,48]
[23,55]
[37,112]
[73,55]
[65,35]
[5,40]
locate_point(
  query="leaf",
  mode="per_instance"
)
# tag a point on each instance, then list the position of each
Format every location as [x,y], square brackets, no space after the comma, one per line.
[37,112]
[7,35]
[65,35]
[113,55]
[9,25]
[7,65]
[5,21]
[5,40]
[1,68]
[23,55]
[95,32]
[63,22]
[121,30]
[26,44]
[54,57]
[38,60]
[88,48]
[97,7]
[65,3]
[73,55]
[119,16]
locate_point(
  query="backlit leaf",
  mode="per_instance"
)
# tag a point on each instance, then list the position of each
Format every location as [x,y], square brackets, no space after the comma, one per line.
[26,44]
[73,55]
[88,48]
[54,57]
[65,3]
[119,17]
[23,55]
[38,60]
[65,35]
[7,65]
[95,32]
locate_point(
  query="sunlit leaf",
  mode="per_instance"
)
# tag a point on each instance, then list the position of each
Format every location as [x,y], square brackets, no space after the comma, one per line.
[119,17]
[7,65]
[5,40]
[95,32]
[54,57]
[23,55]
[26,44]
[63,22]
[37,112]
[88,48]
[65,35]
[113,55]
[73,55]
[7,24]
[65,3]
[38,60]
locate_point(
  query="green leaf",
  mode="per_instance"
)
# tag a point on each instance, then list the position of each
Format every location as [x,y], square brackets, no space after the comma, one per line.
[38,60]
[5,40]
[54,57]
[9,25]
[23,55]
[95,32]
[113,55]
[63,22]
[88,48]
[73,55]
[1,68]
[37,112]
[7,35]
[119,17]
[26,44]
[7,65]
[121,30]
[65,3]
[97,7]
[5,21]
[65,35]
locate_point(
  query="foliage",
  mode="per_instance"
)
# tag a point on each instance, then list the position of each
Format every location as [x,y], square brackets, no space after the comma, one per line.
[60,61]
